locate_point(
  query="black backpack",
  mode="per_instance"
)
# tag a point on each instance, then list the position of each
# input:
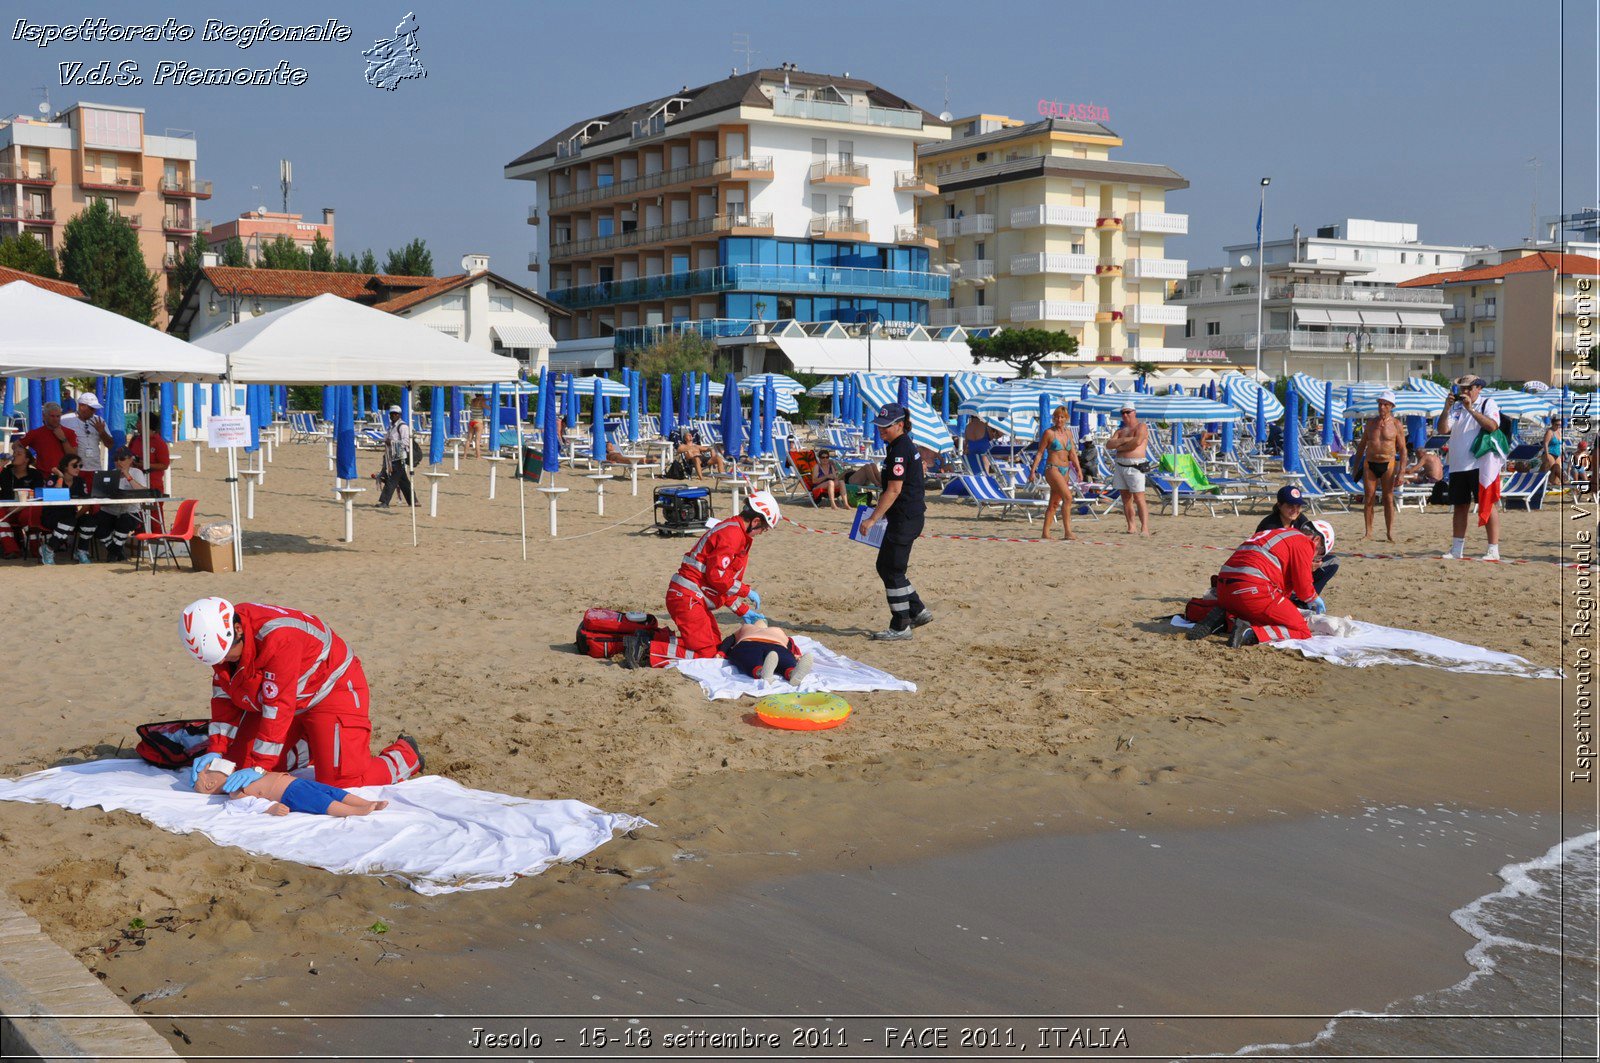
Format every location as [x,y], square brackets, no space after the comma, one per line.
[678,470]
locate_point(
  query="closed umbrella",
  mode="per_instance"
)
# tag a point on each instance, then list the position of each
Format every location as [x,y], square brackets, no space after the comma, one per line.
[835,389]
[166,412]
[769,406]
[1261,415]
[457,408]
[1291,432]
[1044,414]
[1327,422]
[405,406]
[1227,437]
[344,433]
[633,408]
[686,398]
[8,402]
[35,403]
[598,429]
[667,425]
[904,395]
[361,403]
[551,462]
[705,393]
[756,449]
[944,399]
[494,420]
[572,401]
[52,391]
[330,405]
[732,420]
[1416,433]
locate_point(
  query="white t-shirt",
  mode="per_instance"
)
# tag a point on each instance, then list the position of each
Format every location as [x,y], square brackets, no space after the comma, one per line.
[1464,432]
[140,482]
[89,449]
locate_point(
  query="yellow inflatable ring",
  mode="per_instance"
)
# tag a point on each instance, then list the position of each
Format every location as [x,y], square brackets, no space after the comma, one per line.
[815,711]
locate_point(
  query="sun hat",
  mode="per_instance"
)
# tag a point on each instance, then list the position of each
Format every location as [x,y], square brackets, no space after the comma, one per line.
[394,409]
[1128,408]
[88,399]
[1386,396]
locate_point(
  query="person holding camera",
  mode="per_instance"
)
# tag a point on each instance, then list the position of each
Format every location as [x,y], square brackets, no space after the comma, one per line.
[1467,415]
[902,507]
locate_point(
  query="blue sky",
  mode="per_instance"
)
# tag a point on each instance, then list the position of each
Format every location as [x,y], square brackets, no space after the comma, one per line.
[1394,110]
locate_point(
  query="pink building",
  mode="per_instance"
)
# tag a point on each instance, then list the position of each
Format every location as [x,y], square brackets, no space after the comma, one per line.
[258,228]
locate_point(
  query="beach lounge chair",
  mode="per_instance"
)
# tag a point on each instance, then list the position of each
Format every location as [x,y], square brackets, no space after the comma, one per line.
[1211,495]
[987,493]
[1337,478]
[1526,489]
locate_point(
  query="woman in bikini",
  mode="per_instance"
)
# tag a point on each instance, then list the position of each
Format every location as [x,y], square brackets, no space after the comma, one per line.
[1056,444]
[1550,453]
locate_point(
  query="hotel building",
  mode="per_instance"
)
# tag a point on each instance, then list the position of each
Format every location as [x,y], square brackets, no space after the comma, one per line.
[772,196]
[1039,228]
[1332,305]
[259,227]
[51,170]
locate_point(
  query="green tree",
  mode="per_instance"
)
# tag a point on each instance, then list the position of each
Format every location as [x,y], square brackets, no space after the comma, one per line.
[283,253]
[28,253]
[1022,349]
[677,353]
[343,263]
[188,268]
[100,254]
[233,253]
[369,262]
[414,260]
[321,257]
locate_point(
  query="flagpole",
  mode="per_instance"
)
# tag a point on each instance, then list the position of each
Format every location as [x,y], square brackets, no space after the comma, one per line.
[1261,281]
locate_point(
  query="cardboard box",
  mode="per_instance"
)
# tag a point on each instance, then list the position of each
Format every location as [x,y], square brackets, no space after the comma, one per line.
[210,557]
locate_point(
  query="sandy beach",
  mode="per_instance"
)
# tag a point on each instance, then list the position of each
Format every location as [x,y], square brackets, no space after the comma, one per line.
[1051,691]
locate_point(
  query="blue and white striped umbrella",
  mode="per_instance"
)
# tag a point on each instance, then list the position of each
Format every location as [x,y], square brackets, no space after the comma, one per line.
[969,385]
[1240,392]
[1569,404]
[1406,404]
[1162,407]
[927,429]
[1013,407]
[1519,403]
[611,389]
[1535,386]
[1426,386]
[824,390]
[783,385]
[1316,395]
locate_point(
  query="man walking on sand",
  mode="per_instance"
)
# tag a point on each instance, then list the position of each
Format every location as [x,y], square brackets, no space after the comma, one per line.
[1468,414]
[1127,448]
[1381,457]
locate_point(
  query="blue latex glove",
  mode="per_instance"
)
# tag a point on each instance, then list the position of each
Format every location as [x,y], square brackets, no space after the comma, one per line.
[240,779]
[199,765]
[1318,605]
[752,616]
[754,597]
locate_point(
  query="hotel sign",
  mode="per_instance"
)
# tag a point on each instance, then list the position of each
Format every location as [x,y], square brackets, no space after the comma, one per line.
[1206,356]
[1077,112]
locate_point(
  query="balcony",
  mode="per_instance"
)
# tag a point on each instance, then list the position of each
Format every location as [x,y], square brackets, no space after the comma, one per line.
[116,180]
[975,224]
[837,227]
[1154,314]
[1577,306]
[1429,298]
[1453,314]
[1170,269]
[28,213]
[183,186]
[1457,347]
[11,173]
[719,225]
[1306,340]
[1483,346]
[1107,268]
[1053,310]
[178,223]
[758,277]
[974,270]
[947,228]
[853,114]
[135,220]
[916,235]
[731,168]
[533,261]
[1108,223]
[1147,221]
[1484,311]
[913,182]
[1052,214]
[839,172]
[533,215]
[1075,265]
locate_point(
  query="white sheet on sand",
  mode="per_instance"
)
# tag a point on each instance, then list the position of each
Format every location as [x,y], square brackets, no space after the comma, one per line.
[832,671]
[436,836]
[1357,644]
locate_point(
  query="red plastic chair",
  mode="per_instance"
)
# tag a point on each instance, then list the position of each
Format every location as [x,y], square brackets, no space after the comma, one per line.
[182,532]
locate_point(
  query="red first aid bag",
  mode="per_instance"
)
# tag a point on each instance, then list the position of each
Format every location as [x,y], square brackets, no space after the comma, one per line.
[601,631]
[172,744]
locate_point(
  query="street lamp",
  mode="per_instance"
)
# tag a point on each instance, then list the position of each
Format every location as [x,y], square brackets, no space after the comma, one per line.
[873,318]
[1261,278]
[234,298]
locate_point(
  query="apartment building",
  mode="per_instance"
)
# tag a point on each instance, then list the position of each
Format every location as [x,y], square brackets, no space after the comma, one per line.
[51,169]
[261,226]
[1038,227]
[772,195]
[1514,314]
[1333,304]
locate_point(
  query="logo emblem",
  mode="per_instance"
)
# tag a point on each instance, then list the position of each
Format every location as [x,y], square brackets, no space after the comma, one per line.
[392,61]
[269,691]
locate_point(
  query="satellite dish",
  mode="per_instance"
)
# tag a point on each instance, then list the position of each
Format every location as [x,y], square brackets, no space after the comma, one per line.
[263,209]
[945,116]
[44,107]
[1245,260]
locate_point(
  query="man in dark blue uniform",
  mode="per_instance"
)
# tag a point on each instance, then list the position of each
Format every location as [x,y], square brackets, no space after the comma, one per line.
[901,507]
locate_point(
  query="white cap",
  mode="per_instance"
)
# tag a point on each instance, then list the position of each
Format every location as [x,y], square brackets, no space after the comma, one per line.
[394,409]
[1386,396]
[89,399]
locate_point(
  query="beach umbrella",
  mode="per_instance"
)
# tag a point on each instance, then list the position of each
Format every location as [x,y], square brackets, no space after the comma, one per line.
[903,392]
[1327,403]
[944,399]
[732,420]
[1249,397]
[35,403]
[546,397]
[572,401]
[609,389]
[166,412]
[1416,432]
[633,408]
[1423,384]
[755,424]
[667,425]
[768,408]
[1535,386]
[1291,432]
[330,407]
[1044,414]
[1406,404]
[457,408]
[52,391]
[597,427]
[344,433]
[361,403]
[705,393]
[436,426]
[779,383]
[835,389]
[1227,445]
[551,430]
[686,398]
[1569,404]
[970,385]
[1156,408]
[1519,403]
[405,406]
[927,429]
[1315,394]
[8,401]
[494,419]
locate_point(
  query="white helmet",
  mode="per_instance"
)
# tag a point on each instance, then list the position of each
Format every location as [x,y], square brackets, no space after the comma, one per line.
[1325,530]
[206,628]
[766,507]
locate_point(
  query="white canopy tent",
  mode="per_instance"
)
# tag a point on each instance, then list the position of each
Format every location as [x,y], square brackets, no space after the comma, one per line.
[43,334]
[335,342]
[838,356]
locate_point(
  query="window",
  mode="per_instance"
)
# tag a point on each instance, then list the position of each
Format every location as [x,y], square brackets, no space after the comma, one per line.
[453,301]
[982,294]
[1213,328]
[500,303]
[819,149]
[1133,339]
[604,226]
[1077,249]
[1188,329]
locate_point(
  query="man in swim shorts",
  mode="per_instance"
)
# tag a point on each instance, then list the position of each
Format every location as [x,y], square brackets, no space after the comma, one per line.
[1127,448]
[1381,457]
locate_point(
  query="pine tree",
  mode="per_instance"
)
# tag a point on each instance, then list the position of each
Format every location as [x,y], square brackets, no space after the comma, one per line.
[343,263]
[1021,349]
[414,260]
[369,262]
[233,253]
[100,254]
[28,253]
[282,253]
[321,257]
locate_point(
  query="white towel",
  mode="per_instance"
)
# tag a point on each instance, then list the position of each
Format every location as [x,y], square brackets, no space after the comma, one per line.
[721,680]
[1357,644]
[437,836]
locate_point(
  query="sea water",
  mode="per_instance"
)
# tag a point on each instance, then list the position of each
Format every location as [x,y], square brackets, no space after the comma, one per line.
[1533,986]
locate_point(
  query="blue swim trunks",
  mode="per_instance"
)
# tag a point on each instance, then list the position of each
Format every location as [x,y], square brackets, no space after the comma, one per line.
[305,795]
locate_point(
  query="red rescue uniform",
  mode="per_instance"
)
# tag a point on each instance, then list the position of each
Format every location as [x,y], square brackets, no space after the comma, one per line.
[1255,584]
[47,449]
[710,577]
[296,694]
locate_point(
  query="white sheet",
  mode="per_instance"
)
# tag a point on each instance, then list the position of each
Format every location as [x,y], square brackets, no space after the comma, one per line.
[436,836]
[1357,644]
[722,681]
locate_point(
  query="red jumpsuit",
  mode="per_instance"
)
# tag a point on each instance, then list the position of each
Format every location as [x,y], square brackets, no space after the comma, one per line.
[710,577]
[1255,583]
[297,693]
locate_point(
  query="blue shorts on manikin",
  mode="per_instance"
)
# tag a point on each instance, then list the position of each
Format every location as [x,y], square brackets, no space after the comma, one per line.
[748,656]
[308,795]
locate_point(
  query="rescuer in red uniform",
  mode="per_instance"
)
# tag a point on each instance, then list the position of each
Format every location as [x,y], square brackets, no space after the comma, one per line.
[1266,582]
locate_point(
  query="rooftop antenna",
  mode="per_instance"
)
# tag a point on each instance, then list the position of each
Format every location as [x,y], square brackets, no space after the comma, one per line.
[741,43]
[44,102]
[285,180]
[1534,165]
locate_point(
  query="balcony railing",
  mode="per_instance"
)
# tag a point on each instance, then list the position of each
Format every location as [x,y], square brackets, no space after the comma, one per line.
[1454,313]
[1480,311]
[828,111]
[837,225]
[1146,221]
[533,261]
[116,179]
[28,175]
[27,212]
[1302,339]
[947,228]
[181,224]
[913,182]
[1025,265]
[1351,293]
[183,186]
[650,182]
[1154,314]
[1157,268]
[758,277]
[681,230]
[1457,347]
[1052,310]
[915,234]
[135,220]
[1052,214]
[1483,346]
[533,214]
[1576,305]
[976,224]
[975,270]
[839,171]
